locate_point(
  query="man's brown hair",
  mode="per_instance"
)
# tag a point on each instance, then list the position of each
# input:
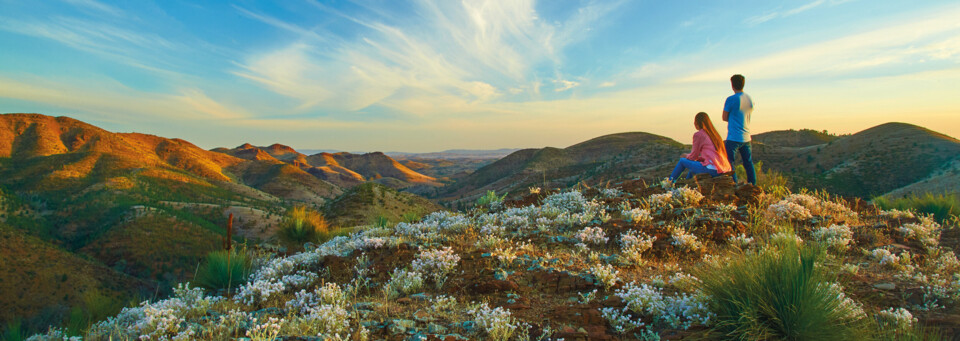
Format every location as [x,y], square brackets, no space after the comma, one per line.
[737,82]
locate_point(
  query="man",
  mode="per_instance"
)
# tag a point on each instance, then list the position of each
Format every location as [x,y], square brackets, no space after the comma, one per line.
[736,112]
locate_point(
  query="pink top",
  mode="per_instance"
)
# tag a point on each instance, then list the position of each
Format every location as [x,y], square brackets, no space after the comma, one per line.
[704,152]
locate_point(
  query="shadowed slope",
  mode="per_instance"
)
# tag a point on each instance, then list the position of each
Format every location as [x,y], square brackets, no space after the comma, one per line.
[871,162]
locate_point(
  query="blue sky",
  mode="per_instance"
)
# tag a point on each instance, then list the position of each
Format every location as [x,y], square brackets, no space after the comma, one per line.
[426,75]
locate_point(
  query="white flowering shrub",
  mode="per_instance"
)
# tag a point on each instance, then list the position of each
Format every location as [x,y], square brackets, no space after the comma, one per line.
[789,211]
[898,318]
[676,311]
[634,243]
[684,241]
[506,255]
[403,282]
[610,193]
[592,235]
[445,303]
[572,201]
[927,232]
[321,312]
[660,200]
[493,230]
[164,319]
[885,257]
[803,206]
[436,264]
[687,196]
[677,197]
[605,274]
[265,330]
[741,241]
[835,237]
[620,321]
[636,215]
[498,323]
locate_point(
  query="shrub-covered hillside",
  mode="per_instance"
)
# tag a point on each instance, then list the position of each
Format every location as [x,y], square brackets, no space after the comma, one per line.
[622,263]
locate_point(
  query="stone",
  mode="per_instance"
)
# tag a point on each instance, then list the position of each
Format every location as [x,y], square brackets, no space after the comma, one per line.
[400,326]
[885,286]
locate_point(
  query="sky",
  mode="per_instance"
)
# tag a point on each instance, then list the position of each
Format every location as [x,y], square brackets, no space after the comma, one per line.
[423,75]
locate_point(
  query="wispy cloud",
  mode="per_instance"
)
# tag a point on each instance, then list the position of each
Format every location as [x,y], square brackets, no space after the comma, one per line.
[142,50]
[564,85]
[96,6]
[928,37]
[115,102]
[448,53]
[759,19]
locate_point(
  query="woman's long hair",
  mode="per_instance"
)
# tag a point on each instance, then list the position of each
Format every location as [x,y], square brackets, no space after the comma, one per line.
[702,121]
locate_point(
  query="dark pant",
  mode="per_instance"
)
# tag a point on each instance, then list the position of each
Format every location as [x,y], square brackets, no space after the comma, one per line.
[746,154]
[695,167]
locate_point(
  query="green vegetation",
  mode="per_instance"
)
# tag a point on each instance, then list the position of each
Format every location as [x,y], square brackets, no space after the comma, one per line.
[224,269]
[381,221]
[410,217]
[780,294]
[13,331]
[943,207]
[489,199]
[301,224]
[95,307]
[769,180]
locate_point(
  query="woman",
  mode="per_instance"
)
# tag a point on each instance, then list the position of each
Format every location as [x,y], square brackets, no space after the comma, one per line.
[708,154]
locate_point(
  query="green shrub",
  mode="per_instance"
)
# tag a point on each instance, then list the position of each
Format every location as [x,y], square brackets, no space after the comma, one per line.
[779,294]
[224,270]
[489,199]
[301,225]
[13,331]
[943,207]
[410,217]
[381,221]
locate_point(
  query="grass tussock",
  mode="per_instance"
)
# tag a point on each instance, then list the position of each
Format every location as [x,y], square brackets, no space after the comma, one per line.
[943,207]
[224,269]
[301,224]
[778,293]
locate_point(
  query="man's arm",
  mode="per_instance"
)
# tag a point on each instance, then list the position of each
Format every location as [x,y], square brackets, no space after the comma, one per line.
[728,106]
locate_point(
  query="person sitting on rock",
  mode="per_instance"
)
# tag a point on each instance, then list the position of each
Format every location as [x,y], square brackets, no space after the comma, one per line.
[708,154]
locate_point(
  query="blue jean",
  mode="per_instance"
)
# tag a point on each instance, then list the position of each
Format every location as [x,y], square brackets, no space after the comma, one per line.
[746,154]
[694,167]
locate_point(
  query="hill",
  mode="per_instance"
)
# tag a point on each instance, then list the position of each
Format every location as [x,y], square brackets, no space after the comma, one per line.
[868,163]
[341,169]
[604,158]
[584,265]
[42,283]
[142,206]
[364,203]
[875,161]
[794,138]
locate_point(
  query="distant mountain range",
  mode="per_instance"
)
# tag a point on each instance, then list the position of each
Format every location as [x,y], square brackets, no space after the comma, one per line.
[342,169]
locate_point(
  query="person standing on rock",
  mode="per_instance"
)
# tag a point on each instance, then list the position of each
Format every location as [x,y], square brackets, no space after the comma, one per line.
[736,112]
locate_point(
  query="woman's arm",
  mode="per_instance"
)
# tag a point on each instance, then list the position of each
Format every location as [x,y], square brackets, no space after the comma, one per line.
[698,140]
